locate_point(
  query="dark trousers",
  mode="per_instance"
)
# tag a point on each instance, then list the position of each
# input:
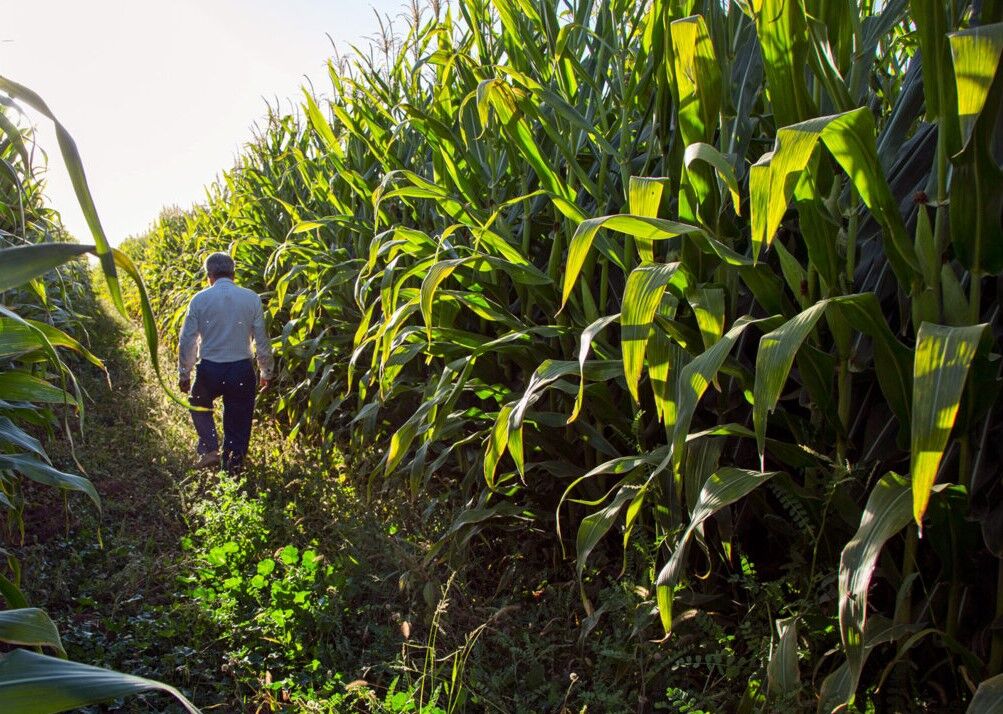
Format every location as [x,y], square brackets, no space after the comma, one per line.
[236,383]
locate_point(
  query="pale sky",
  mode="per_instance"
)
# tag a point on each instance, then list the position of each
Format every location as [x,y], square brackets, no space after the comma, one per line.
[159,96]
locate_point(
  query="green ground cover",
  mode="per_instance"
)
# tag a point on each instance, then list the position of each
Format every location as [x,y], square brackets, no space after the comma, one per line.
[284,590]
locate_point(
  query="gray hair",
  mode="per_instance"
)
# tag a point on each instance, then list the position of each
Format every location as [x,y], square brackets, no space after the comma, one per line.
[219,265]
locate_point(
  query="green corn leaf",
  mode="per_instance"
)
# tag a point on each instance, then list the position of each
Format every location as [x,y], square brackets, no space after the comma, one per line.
[497,441]
[149,323]
[892,359]
[957,309]
[694,380]
[75,168]
[36,470]
[988,697]
[976,52]
[585,345]
[709,310]
[932,27]
[18,336]
[721,489]
[697,79]
[644,197]
[783,39]
[21,264]
[36,684]
[641,227]
[30,627]
[839,687]
[782,674]
[943,356]
[774,360]
[13,435]
[699,151]
[645,287]
[850,138]
[825,64]
[11,594]
[17,141]
[887,512]
[23,387]
[596,525]
[438,272]
[666,357]
[977,181]
[321,125]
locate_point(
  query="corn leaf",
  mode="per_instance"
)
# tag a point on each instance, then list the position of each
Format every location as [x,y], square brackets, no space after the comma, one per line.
[30,627]
[943,356]
[774,360]
[887,512]
[596,525]
[699,151]
[850,138]
[21,264]
[13,435]
[23,387]
[721,489]
[36,470]
[645,287]
[75,168]
[783,38]
[988,697]
[36,684]
[642,227]
[644,197]
[782,675]
[977,181]
[976,52]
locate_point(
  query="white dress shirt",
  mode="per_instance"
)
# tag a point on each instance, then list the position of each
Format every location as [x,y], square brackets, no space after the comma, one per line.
[219,326]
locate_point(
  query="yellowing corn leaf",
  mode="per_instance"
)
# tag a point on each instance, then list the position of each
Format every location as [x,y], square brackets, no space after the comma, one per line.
[645,287]
[943,356]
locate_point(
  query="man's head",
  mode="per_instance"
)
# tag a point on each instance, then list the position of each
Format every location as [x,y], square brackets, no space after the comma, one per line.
[219,265]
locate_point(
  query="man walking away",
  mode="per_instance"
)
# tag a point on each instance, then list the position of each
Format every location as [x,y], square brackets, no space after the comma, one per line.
[217,332]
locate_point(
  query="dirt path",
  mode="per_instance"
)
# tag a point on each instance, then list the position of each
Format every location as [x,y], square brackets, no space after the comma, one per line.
[264,593]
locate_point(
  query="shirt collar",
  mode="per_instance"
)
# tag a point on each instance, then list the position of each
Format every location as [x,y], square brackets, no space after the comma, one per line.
[221,280]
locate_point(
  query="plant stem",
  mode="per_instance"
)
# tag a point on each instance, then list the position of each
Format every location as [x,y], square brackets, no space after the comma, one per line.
[954,593]
[843,409]
[903,612]
[975,299]
[996,652]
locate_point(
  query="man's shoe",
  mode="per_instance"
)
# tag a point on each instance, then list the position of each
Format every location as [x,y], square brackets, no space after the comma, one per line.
[206,461]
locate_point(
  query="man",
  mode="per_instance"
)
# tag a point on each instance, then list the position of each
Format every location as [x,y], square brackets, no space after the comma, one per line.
[224,318]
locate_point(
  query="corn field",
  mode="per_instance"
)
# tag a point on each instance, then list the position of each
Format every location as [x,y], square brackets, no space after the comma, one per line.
[665,274]
[707,291]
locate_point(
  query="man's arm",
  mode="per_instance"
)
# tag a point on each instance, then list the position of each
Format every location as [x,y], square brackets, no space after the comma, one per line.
[263,347]
[188,346]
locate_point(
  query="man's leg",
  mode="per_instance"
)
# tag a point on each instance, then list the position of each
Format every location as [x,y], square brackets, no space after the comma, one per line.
[239,389]
[204,390]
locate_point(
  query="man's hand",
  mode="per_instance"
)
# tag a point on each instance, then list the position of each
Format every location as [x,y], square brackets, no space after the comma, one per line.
[264,384]
[185,384]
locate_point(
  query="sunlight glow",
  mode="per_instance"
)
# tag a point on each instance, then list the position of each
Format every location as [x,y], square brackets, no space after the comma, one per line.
[160,96]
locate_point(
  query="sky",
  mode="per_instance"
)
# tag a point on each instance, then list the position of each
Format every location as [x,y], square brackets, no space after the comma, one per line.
[160,96]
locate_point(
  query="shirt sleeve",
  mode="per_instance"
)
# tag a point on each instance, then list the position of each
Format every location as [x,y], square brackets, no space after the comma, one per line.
[188,341]
[262,344]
